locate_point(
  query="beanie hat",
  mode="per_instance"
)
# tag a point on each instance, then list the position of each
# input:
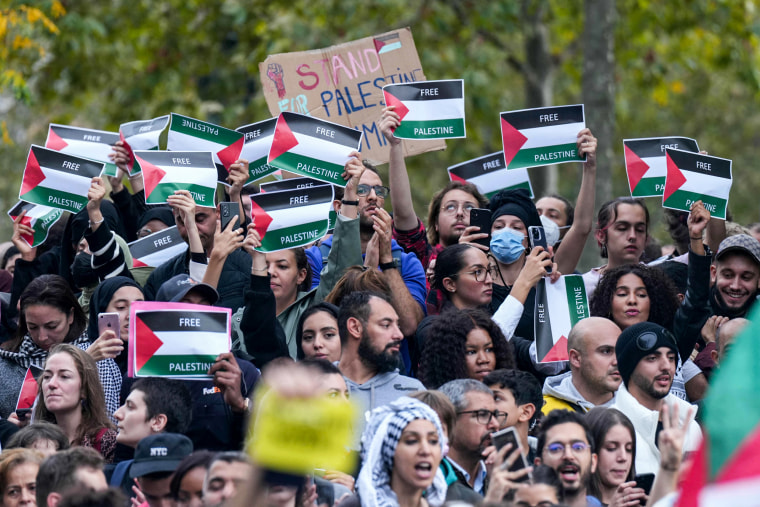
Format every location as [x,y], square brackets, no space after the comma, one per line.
[638,341]
[515,202]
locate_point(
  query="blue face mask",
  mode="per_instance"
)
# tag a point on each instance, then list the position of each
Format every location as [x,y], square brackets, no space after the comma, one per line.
[507,245]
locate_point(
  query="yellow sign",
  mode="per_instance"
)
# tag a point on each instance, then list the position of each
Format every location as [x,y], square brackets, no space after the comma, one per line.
[297,435]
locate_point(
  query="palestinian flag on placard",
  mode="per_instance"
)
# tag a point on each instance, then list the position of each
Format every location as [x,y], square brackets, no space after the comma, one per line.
[258,141]
[292,183]
[645,162]
[726,468]
[57,180]
[176,340]
[157,248]
[141,135]
[39,218]
[88,143]
[559,306]
[166,171]
[189,134]
[29,389]
[312,147]
[692,177]
[489,173]
[542,136]
[291,218]
[428,109]
[387,43]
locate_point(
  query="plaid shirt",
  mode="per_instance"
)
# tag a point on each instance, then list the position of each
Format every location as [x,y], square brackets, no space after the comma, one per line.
[415,241]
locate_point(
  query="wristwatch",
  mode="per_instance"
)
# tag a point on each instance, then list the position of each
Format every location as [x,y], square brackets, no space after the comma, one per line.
[394,264]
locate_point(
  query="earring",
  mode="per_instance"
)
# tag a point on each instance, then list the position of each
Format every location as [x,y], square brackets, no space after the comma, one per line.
[604,250]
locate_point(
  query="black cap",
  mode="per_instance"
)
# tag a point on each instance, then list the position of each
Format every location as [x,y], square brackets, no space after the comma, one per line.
[160,453]
[638,341]
[176,287]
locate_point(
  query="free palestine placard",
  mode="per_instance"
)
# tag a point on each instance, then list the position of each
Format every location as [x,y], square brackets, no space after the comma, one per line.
[258,141]
[489,173]
[693,177]
[645,163]
[164,172]
[428,109]
[559,306]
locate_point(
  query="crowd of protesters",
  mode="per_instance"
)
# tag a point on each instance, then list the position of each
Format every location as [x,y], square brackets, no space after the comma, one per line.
[424,325]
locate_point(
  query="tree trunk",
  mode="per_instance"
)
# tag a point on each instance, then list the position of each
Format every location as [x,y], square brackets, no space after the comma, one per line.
[599,99]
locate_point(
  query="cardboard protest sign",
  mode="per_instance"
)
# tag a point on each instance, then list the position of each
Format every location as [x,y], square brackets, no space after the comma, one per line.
[29,389]
[58,180]
[542,136]
[176,340]
[288,434]
[258,140]
[87,143]
[295,183]
[39,218]
[157,248]
[142,135]
[189,134]
[428,109]
[693,177]
[559,306]
[489,173]
[344,84]
[645,162]
[311,147]
[291,218]
[164,172]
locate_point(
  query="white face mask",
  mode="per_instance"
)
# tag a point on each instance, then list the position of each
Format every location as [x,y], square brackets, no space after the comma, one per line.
[551,230]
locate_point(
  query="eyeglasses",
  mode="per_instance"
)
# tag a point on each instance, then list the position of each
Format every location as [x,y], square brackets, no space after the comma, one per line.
[480,273]
[558,449]
[451,208]
[380,190]
[484,416]
[645,341]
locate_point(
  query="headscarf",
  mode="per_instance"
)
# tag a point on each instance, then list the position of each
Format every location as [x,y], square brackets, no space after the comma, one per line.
[162,213]
[379,441]
[98,304]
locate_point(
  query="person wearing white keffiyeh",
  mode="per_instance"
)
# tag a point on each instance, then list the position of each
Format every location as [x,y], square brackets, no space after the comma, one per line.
[387,444]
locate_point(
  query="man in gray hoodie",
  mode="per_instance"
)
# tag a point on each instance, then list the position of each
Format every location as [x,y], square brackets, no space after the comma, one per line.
[371,341]
[593,378]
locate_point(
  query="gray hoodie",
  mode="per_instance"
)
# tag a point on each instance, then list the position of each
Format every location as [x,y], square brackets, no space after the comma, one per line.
[561,387]
[382,389]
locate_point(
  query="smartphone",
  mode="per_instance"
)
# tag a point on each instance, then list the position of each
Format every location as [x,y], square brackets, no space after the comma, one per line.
[228,210]
[644,481]
[509,436]
[482,218]
[108,322]
[537,237]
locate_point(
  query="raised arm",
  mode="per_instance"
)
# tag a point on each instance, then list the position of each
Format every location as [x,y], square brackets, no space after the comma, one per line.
[571,248]
[404,217]
[184,205]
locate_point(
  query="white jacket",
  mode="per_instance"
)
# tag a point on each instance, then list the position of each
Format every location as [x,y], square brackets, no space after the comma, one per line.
[645,423]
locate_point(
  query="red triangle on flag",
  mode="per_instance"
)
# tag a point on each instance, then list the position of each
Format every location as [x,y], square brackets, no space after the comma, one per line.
[694,479]
[147,343]
[260,218]
[378,44]
[29,238]
[54,141]
[454,177]
[137,263]
[129,150]
[636,167]
[558,351]
[29,390]
[400,109]
[33,174]
[231,153]
[152,175]
[283,139]
[674,180]
[512,139]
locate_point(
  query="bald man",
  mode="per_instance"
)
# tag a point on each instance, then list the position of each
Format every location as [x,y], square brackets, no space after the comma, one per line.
[725,336]
[593,378]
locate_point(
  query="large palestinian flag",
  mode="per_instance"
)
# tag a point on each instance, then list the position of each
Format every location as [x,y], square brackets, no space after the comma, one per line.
[39,218]
[87,143]
[164,172]
[726,468]
[189,134]
[559,306]
[312,147]
[291,218]
[296,183]
[645,162]
[176,340]
[142,135]
[489,173]
[543,136]
[692,177]
[157,248]
[57,180]
[428,109]
[258,141]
